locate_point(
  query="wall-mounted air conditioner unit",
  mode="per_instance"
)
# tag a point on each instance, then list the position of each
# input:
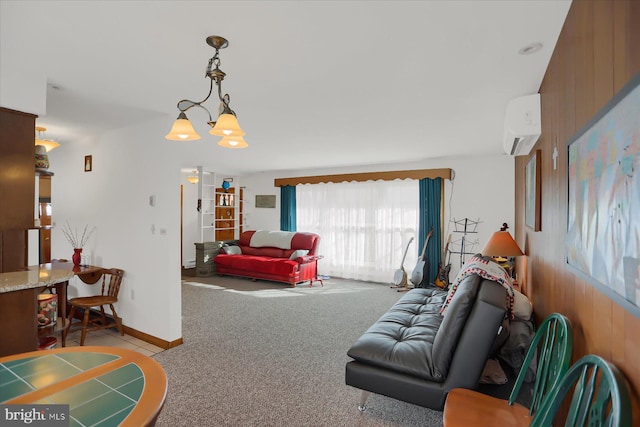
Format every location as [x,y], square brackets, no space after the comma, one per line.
[522,126]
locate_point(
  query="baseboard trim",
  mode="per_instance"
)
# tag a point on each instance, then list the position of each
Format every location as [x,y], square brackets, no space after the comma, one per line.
[158,342]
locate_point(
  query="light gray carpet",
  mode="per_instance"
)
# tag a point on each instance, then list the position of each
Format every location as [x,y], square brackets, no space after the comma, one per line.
[264,354]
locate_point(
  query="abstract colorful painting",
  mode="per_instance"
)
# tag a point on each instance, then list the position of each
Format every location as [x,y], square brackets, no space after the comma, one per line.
[603,223]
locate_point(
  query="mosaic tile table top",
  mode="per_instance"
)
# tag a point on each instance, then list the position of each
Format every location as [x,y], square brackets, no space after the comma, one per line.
[103,386]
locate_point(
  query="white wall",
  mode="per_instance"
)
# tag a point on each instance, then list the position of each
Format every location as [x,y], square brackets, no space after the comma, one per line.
[23,84]
[262,184]
[483,188]
[132,235]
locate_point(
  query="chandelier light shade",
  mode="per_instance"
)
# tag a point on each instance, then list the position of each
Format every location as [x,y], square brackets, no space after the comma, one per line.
[226,124]
[47,143]
[233,142]
[182,130]
[501,244]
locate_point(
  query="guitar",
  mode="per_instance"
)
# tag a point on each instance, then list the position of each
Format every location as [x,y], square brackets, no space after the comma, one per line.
[442,278]
[421,270]
[400,276]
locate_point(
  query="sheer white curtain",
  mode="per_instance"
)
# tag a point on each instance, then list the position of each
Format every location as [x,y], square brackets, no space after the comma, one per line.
[364,227]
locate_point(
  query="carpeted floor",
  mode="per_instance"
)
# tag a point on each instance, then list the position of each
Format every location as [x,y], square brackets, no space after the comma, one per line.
[264,354]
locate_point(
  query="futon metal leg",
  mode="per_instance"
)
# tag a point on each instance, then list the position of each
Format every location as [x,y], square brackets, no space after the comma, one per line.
[363,399]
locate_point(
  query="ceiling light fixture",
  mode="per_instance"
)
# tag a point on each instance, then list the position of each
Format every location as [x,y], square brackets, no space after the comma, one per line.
[226,124]
[193,178]
[47,143]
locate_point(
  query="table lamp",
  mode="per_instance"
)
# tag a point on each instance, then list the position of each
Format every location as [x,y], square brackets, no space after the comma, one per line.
[501,246]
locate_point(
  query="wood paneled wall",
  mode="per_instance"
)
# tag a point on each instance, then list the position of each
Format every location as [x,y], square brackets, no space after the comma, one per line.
[597,53]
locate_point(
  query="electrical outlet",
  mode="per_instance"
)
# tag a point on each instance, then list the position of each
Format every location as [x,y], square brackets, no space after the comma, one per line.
[132,294]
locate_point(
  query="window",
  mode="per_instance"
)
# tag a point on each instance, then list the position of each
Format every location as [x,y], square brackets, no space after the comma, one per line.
[364,227]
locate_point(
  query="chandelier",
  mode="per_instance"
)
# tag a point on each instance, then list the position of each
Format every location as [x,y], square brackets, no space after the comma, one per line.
[226,124]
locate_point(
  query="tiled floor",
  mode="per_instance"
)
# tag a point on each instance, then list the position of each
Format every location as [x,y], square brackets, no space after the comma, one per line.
[112,338]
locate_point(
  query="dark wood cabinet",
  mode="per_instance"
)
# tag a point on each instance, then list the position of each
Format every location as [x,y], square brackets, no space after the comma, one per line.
[19,319]
[17,186]
[13,250]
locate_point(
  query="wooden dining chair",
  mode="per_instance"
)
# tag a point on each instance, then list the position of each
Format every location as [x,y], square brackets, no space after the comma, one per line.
[553,345]
[111,281]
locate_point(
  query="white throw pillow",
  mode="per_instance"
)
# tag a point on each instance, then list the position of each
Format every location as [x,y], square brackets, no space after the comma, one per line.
[522,307]
[297,253]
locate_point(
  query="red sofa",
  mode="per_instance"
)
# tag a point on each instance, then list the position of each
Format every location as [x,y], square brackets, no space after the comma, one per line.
[266,255]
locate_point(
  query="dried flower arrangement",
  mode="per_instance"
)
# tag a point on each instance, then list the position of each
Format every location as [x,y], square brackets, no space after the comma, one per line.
[76,240]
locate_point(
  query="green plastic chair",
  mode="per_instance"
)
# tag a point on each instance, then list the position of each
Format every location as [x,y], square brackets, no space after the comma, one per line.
[600,397]
[553,344]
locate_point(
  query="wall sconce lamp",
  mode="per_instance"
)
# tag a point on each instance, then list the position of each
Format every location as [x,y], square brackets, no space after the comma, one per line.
[47,143]
[226,124]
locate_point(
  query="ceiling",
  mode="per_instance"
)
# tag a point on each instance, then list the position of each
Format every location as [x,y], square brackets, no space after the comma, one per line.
[314,83]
